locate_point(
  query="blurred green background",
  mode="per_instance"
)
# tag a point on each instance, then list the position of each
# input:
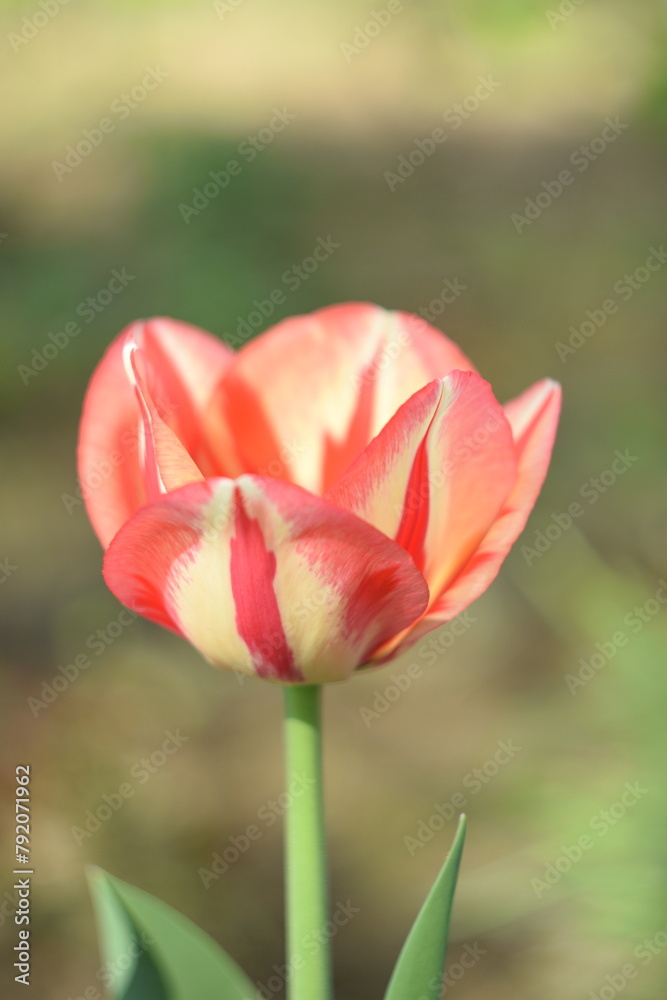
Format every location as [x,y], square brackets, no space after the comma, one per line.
[362,95]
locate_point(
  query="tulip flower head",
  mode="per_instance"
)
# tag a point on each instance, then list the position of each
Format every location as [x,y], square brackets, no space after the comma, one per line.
[315,502]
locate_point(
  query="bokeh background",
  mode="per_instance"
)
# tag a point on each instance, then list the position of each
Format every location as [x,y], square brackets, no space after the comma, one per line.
[361,98]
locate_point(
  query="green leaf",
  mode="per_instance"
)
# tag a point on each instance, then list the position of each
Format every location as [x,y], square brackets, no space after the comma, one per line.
[151,952]
[421,964]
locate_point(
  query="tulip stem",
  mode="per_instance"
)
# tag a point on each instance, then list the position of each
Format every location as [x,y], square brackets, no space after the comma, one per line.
[306,892]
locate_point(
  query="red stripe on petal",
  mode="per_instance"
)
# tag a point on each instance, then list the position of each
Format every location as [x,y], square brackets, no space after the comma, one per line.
[374,589]
[338,455]
[412,530]
[138,564]
[258,621]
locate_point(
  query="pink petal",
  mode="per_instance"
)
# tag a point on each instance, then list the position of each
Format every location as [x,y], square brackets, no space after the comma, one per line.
[437,476]
[305,398]
[184,364]
[533,418]
[264,578]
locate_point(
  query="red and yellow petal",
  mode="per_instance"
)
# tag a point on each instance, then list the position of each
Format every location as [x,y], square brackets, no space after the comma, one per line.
[533,417]
[182,367]
[305,398]
[437,476]
[264,578]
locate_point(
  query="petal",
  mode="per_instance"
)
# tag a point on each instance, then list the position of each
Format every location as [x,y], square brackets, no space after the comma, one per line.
[185,366]
[534,419]
[305,399]
[165,463]
[265,579]
[437,476]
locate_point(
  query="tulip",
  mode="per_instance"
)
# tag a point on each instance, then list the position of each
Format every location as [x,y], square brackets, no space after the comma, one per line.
[308,506]
[314,503]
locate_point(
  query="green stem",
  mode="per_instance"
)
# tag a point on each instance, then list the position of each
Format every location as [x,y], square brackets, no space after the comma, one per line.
[306,891]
